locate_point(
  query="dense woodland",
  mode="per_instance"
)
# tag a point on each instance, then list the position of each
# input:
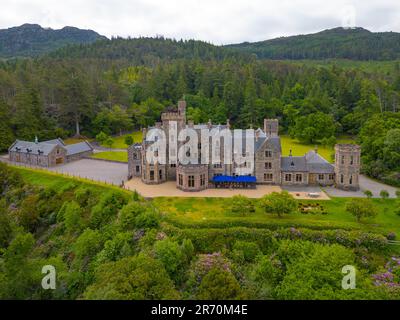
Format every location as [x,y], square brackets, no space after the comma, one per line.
[341,43]
[124,84]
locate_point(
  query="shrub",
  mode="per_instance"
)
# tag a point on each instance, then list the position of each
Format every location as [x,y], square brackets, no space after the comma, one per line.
[107,208]
[128,214]
[241,205]
[171,255]
[83,195]
[147,219]
[72,216]
[384,194]
[101,137]
[219,284]
[368,194]
[248,250]
[134,278]
[129,140]
[88,244]
[279,203]
[361,208]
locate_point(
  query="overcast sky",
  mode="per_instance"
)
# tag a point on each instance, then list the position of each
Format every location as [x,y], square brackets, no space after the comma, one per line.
[216,21]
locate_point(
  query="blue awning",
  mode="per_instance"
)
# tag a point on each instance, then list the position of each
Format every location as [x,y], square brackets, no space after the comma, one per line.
[233,179]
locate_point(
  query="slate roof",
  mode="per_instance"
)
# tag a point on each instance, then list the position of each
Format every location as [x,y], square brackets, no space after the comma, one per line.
[294,164]
[317,164]
[58,141]
[312,162]
[78,148]
[43,148]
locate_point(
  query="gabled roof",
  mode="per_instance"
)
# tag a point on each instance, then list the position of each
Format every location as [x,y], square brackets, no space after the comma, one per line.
[317,164]
[78,148]
[311,162]
[273,142]
[294,164]
[42,148]
[58,141]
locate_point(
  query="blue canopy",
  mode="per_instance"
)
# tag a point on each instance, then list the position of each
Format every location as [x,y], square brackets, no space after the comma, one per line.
[233,179]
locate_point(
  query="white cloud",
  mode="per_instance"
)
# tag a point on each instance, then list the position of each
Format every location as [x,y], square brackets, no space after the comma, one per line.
[217,21]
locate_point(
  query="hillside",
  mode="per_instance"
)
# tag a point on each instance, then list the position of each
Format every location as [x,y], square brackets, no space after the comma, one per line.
[339,43]
[32,40]
[146,50]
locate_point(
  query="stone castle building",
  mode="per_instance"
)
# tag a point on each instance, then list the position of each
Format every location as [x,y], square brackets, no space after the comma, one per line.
[270,166]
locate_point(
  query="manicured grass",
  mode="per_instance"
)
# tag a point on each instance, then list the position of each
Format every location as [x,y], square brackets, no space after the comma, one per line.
[75,140]
[59,181]
[299,149]
[119,141]
[215,212]
[121,156]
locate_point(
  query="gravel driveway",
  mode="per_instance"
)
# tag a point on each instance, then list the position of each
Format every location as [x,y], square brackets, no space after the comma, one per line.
[98,170]
[365,184]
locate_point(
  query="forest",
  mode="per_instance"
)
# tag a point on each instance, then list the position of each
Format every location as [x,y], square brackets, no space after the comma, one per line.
[120,85]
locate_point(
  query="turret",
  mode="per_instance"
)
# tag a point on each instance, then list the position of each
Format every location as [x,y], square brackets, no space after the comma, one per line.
[271,127]
[347,166]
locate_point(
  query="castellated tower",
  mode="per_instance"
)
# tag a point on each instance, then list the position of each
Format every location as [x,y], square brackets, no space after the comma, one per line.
[347,166]
[271,127]
[178,115]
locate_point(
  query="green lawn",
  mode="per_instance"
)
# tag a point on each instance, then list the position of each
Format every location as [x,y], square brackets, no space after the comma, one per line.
[60,181]
[119,141]
[299,149]
[121,156]
[214,212]
[75,140]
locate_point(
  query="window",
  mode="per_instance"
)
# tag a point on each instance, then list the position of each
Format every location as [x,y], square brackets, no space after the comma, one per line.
[341,178]
[331,176]
[217,166]
[268,165]
[320,177]
[180,179]
[268,153]
[288,177]
[268,176]
[342,159]
[351,160]
[173,165]
[160,175]
[137,168]
[299,177]
[191,181]
[151,175]
[351,180]
[202,179]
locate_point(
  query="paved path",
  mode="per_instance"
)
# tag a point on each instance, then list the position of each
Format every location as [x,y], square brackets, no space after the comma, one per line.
[365,184]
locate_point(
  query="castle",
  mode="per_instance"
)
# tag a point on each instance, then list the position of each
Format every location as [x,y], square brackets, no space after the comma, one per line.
[270,166]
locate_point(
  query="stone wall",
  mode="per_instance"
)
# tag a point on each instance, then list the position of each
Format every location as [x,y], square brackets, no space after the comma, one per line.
[261,158]
[197,174]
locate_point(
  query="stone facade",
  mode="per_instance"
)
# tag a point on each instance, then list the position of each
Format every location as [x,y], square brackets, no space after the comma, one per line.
[270,167]
[347,166]
[48,153]
[192,177]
